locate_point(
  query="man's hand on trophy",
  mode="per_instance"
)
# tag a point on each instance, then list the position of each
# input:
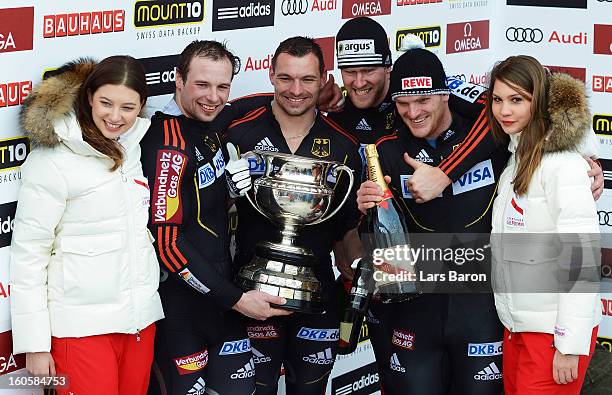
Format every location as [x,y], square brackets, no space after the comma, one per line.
[256,304]
[369,194]
[237,173]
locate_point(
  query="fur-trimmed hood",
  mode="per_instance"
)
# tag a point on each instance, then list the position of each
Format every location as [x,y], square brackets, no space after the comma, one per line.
[569,113]
[52,100]
[569,117]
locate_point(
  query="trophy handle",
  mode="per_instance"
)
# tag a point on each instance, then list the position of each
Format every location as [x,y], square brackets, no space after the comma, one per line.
[248,194]
[335,172]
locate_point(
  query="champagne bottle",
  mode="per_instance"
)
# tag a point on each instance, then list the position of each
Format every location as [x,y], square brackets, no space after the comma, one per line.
[357,306]
[384,229]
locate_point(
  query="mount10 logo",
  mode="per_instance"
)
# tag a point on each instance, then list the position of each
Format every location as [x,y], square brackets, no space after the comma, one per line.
[242,14]
[152,13]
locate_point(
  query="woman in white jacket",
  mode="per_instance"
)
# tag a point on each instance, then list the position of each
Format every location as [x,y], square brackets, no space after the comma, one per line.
[544,200]
[83,271]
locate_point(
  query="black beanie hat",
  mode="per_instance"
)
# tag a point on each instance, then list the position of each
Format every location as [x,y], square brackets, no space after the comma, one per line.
[362,42]
[418,72]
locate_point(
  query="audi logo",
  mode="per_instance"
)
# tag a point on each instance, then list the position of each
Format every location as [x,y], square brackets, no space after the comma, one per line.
[294,7]
[607,1]
[605,218]
[524,35]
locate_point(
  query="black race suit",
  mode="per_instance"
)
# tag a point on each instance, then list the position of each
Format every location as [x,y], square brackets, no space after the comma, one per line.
[305,344]
[444,343]
[201,344]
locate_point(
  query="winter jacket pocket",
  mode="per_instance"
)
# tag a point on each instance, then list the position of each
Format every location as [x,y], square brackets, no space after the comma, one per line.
[91,266]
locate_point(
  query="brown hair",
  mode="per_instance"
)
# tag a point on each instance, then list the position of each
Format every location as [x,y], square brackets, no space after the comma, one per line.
[299,47]
[529,78]
[209,49]
[114,70]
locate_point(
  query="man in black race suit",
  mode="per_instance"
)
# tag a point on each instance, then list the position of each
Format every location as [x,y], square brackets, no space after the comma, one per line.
[440,343]
[201,345]
[305,344]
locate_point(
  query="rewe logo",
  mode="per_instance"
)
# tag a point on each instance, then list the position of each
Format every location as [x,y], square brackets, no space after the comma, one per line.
[478,176]
[491,372]
[416,82]
[355,8]
[248,370]
[242,14]
[266,145]
[321,358]
[395,364]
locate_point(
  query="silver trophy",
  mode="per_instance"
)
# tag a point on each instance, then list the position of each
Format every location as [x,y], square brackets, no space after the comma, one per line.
[294,192]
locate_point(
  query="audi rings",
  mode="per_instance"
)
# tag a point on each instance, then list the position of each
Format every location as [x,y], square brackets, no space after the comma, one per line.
[294,7]
[524,35]
[605,218]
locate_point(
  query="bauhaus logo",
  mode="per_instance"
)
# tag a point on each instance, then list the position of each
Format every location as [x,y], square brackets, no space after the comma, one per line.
[550,3]
[160,72]
[152,13]
[16,29]
[602,124]
[431,36]
[361,381]
[7,221]
[467,36]
[301,7]
[80,23]
[355,8]
[602,83]
[602,41]
[14,93]
[242,14]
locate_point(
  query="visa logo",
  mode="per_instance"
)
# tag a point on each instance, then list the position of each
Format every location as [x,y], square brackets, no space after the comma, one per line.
[206,176]
[235,347]
[478,176]
[256,169]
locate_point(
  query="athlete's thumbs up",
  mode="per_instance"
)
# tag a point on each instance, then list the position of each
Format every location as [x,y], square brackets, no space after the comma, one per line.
[237,173]
[427,182]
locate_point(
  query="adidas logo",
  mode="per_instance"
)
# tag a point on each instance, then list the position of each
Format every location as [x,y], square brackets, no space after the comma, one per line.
[199,156]
[266,145]
[198,388]
[491,372]
[321,358]
[258,357]
[423,157]
[247,370]
[395,364]
[363,125]
[371,319]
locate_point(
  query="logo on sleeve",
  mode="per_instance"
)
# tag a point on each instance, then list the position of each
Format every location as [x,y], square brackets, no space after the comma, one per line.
[478,176]
[206,175]
[235,347]
[169,170]
[191,363]
[484,349]
[219,163]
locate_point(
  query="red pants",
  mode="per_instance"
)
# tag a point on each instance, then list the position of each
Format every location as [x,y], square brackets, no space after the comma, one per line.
[527,365]
[112,364]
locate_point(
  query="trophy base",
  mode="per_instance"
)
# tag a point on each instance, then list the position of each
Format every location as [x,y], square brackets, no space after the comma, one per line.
[283,271]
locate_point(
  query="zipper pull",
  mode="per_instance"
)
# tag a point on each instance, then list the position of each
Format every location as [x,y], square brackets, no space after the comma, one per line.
[137,335]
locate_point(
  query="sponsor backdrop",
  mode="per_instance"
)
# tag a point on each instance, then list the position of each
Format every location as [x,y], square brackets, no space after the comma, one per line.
[469,35]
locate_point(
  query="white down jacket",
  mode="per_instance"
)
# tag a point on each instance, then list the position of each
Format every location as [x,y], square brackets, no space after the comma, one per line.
[82,259]
[531,235]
